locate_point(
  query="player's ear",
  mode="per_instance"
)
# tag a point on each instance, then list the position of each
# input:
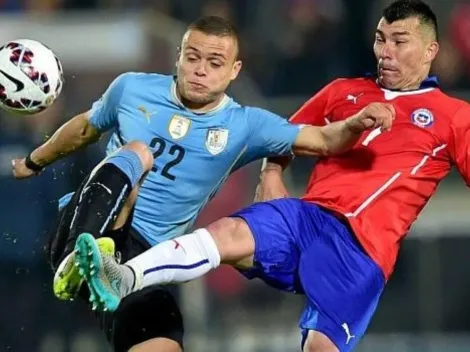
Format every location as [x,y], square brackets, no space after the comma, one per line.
[431,51]
[237,66]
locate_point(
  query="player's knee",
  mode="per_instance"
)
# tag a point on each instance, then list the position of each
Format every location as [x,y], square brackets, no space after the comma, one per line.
[318,342]
[143,151]
[233,238]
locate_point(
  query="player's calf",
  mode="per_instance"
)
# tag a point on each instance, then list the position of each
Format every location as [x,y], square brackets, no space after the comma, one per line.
[180,260]
[98,204]
[228,240]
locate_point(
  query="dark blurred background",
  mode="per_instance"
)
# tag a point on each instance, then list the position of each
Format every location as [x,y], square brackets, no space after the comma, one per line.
[291,49]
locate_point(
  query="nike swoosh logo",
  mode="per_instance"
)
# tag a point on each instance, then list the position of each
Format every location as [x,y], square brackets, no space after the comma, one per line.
[18,83]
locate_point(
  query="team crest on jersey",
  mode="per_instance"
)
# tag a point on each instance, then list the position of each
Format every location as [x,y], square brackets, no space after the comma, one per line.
[216,140]
[179,126]
[422,117]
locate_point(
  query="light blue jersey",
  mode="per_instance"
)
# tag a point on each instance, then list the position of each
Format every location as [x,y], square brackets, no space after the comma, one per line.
[194,153]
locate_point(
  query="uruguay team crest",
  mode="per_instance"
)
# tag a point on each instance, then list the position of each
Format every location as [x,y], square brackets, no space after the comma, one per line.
[179,126]
[216,140]
[422,118]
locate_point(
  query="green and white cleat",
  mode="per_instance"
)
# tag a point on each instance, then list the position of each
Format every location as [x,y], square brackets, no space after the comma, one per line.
[108,281]
[67,279]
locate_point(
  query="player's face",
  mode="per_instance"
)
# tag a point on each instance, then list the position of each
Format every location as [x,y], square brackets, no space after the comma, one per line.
[206,65]
[404,50]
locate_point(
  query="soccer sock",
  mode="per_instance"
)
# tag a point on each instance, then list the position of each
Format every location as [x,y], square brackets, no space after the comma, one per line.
[182,259]
[103,195]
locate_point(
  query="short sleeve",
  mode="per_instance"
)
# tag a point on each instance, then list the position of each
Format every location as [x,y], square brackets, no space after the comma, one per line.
[103,113]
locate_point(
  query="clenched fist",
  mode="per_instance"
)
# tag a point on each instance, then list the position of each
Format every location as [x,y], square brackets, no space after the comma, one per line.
[372,116]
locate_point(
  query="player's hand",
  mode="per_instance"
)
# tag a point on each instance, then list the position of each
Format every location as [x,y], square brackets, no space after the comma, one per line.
[372,116]
[20,171]
[270,187]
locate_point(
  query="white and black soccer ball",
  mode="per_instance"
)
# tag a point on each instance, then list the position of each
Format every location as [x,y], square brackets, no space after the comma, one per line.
[31,77]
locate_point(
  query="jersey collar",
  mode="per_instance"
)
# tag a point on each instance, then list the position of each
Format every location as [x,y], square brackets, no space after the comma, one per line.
[429,84]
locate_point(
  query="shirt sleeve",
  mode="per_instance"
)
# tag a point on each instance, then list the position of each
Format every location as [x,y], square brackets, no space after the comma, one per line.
[103,114]
[459,146]
[271,135]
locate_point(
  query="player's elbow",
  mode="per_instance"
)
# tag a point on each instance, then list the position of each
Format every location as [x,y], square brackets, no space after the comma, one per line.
[81,132]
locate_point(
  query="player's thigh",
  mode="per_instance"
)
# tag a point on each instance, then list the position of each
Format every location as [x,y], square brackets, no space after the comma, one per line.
[146,319]
[343,287]
[317,342]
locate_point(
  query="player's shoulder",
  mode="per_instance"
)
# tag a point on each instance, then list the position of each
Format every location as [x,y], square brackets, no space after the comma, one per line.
[253,112]
[344,83]
[452,104]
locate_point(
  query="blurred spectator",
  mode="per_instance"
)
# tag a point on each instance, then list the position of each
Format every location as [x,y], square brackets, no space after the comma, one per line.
[460,34]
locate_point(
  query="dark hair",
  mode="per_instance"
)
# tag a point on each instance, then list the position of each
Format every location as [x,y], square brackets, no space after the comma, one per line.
[218,26]
[403,9]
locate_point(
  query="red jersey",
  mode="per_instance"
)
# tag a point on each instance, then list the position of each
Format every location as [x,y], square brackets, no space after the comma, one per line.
[384,182]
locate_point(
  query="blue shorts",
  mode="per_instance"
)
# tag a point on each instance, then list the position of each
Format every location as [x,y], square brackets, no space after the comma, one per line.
[303,248]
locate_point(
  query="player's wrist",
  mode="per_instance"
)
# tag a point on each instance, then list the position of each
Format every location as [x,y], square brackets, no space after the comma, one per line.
[272,170]
[33,165]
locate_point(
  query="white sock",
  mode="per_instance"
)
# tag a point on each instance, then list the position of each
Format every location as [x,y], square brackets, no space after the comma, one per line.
[180,260]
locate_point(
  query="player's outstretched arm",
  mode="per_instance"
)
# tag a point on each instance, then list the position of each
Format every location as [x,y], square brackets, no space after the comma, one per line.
[340,136]
[73,135]
[80,131]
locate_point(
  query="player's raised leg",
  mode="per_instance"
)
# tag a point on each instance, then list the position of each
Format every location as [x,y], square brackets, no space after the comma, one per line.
[228,240]
[103,202]
[240,240]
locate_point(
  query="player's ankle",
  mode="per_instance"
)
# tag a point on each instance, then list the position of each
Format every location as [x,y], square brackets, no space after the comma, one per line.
[134,277]
[135,281]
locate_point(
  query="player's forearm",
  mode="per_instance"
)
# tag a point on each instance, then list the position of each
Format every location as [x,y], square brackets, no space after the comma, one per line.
[339,137]
[334,138]
[271,184]
[70,137]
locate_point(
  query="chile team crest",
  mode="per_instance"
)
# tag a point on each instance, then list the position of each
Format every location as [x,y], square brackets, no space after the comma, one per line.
[422,118]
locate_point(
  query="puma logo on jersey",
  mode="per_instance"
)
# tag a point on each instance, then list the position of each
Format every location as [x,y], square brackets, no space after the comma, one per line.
[146,113]
[349,337]
[353,98]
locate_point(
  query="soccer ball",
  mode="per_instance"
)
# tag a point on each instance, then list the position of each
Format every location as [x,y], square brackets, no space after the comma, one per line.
[31,77]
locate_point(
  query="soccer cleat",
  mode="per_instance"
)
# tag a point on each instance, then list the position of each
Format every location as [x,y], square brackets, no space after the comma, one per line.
[67,279]
[108,281]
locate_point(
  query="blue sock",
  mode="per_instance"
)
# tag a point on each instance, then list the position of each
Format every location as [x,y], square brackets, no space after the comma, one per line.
[129,163]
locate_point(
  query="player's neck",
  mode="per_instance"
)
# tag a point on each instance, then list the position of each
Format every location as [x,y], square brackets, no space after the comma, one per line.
[200,108]
[412,86]
[413,83]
